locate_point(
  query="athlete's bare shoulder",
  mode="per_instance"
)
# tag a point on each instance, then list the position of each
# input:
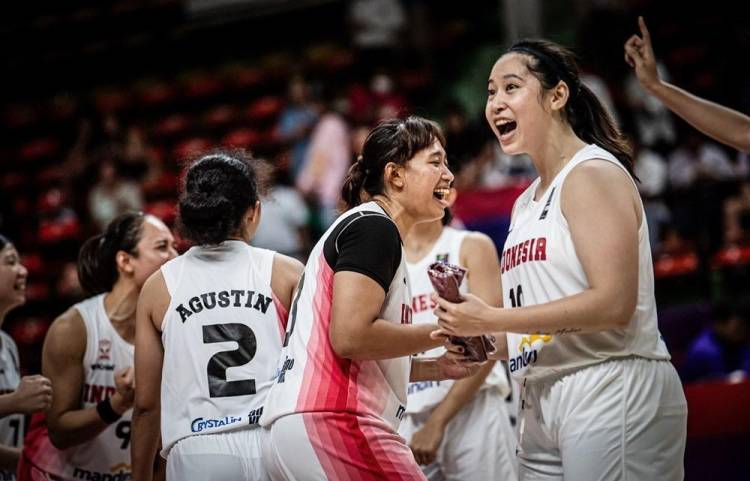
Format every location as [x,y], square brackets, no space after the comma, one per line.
[286,274]
[66,337]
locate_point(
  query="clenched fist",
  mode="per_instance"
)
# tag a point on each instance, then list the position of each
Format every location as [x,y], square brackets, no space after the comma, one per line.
[34,394]
[124,397]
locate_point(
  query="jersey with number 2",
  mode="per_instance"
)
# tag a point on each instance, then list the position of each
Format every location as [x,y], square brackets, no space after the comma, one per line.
[222,336]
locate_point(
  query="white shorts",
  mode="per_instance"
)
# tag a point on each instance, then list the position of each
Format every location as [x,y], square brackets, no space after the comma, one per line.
[230,456]
[479,443]
[336,446]
[623,419]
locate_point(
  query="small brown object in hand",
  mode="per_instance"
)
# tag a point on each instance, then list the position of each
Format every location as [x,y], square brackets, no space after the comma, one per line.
[446,278]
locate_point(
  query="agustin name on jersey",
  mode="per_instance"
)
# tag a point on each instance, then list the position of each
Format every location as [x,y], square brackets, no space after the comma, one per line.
[235,298]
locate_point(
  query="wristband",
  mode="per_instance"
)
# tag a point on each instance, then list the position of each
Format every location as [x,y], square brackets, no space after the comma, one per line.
[106,413]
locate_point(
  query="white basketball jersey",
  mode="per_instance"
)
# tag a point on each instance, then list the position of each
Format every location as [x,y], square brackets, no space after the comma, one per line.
[539,264]
[11,426]
[108,454]
[311,376]
[222,336]
[426,394]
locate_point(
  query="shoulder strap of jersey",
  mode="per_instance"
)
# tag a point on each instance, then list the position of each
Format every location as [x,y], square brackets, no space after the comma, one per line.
[262,259]
[172,271]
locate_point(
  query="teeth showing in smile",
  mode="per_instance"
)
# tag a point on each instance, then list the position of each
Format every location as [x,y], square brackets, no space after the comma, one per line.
[441,194]
[505,126]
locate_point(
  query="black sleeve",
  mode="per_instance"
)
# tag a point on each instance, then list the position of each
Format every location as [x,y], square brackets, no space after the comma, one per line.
[365,243]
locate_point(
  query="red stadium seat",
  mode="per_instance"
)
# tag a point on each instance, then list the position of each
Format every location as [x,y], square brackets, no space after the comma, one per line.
[163,209]
[668,265]
[65,227]
[264,108]
[220,116]
[201,85]
[191,146]
[718,408]
[31,330]
[174,124]
[20,115]
[732,256]
[154,92]
[243,137]
[33,262]
[243,77]
[109,100]
[12,181]
[39,148]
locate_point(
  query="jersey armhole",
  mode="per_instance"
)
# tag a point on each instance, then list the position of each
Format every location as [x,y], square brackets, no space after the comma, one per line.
[563,221]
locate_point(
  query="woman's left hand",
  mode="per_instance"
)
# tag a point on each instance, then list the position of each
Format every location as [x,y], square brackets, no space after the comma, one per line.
[463,319]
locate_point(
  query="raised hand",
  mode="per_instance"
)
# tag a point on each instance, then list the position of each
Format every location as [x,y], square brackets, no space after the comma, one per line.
[639,54]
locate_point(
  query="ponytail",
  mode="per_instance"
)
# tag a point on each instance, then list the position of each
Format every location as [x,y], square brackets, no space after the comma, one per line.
[351,192]
[97,259]
[593,123]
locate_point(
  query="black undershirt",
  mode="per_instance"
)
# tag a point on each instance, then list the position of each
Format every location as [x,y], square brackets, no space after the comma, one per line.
[368,243]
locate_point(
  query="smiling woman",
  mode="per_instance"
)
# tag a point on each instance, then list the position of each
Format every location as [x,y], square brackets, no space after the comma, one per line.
[579,313]
[345,366]
[18,395]
[88,356]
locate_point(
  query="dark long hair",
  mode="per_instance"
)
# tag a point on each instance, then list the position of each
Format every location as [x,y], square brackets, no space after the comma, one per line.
[219,188]
[97,259]
[396,141]
[584,112]
[4,241]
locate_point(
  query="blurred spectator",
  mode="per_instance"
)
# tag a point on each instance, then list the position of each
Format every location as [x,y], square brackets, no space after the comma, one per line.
[327,162]
[737,217]
[651,169]
[358,136]
[296,121]
[283,218]
[464,139]
[58,221]
[137,156]
[601,90]
[653,121]
[112,195]
[698,158]
[68,287]
[722,349]
[378,101]
[503,169]
[672,242]
[376,27]
[387,101]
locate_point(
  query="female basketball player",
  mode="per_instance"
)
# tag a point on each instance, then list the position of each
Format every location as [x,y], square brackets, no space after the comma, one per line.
[458,430]
[88,356]
[341,388]
[601,399]
[18,395]
[212,322]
